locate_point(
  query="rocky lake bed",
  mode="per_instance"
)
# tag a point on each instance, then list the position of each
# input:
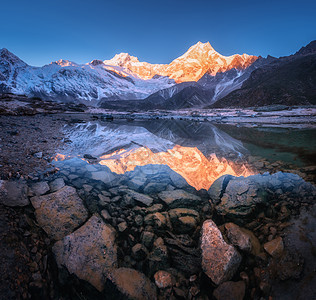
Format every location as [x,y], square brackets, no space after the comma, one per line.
[71,228]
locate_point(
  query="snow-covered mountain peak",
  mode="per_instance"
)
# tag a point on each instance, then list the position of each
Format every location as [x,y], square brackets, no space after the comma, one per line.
[121,60]
[65,63]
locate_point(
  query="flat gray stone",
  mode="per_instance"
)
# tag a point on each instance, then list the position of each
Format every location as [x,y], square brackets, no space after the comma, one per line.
[57,184]
[59,213]
[40,188]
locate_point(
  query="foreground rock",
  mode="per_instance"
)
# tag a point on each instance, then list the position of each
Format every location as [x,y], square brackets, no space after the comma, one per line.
[274,247]
[40,188]
[13,193]
[59,213]
[90,252]
[179,198]
[240,196]
[131,284]
[242,238]
[220,261]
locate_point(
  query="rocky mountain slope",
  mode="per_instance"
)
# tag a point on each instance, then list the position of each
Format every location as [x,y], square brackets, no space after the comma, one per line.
[289,80]
[67,81]
[121,78]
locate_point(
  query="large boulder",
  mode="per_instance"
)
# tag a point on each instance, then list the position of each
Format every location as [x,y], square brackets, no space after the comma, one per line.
[240,196]
[220,260]
[179,198]
[13,193]
[90,252]
[131,284]
[59,213]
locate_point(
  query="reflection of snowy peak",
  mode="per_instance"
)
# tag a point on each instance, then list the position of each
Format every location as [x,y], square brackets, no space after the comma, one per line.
[191,150]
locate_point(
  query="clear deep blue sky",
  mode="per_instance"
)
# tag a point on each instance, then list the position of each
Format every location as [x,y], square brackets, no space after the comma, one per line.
[158,31]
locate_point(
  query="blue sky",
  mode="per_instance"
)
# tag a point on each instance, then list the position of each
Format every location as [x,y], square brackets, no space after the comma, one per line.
[155,31]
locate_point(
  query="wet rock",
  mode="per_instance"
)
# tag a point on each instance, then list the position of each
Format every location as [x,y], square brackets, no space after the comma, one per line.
[242,195]
[131,284]
[154,208]
[230,290]
[154,187]
[184,220]
[164,279]
[147,239]
[14,193]
[242,238]
[90,252]
[59,213]
[139,220]
[122,226]
[157,220]
[275,247]
[105,215]
[158,258]
[104,176]
[139,252]
[103,200]
[218,187]
[141,198]
[57,184]
[40,188]
[179,198]
[136,183]
[220,261]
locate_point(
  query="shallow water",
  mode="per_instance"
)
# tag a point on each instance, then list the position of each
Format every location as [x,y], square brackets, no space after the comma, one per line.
[200,152]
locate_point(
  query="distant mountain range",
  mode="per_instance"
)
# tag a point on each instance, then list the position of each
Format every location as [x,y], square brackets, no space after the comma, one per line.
[199,78]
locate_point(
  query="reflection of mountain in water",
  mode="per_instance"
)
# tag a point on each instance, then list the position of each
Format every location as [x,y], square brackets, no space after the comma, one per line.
[189,162]
[188,148]
[158,135]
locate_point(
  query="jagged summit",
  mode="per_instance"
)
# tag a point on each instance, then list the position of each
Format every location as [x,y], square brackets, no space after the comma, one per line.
[121,59]
[199,59]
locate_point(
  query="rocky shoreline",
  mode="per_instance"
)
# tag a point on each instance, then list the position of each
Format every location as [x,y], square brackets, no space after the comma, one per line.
[78,231]
[112,241]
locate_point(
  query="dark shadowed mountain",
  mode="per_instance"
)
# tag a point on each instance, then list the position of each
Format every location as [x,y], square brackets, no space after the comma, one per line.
[287,80]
